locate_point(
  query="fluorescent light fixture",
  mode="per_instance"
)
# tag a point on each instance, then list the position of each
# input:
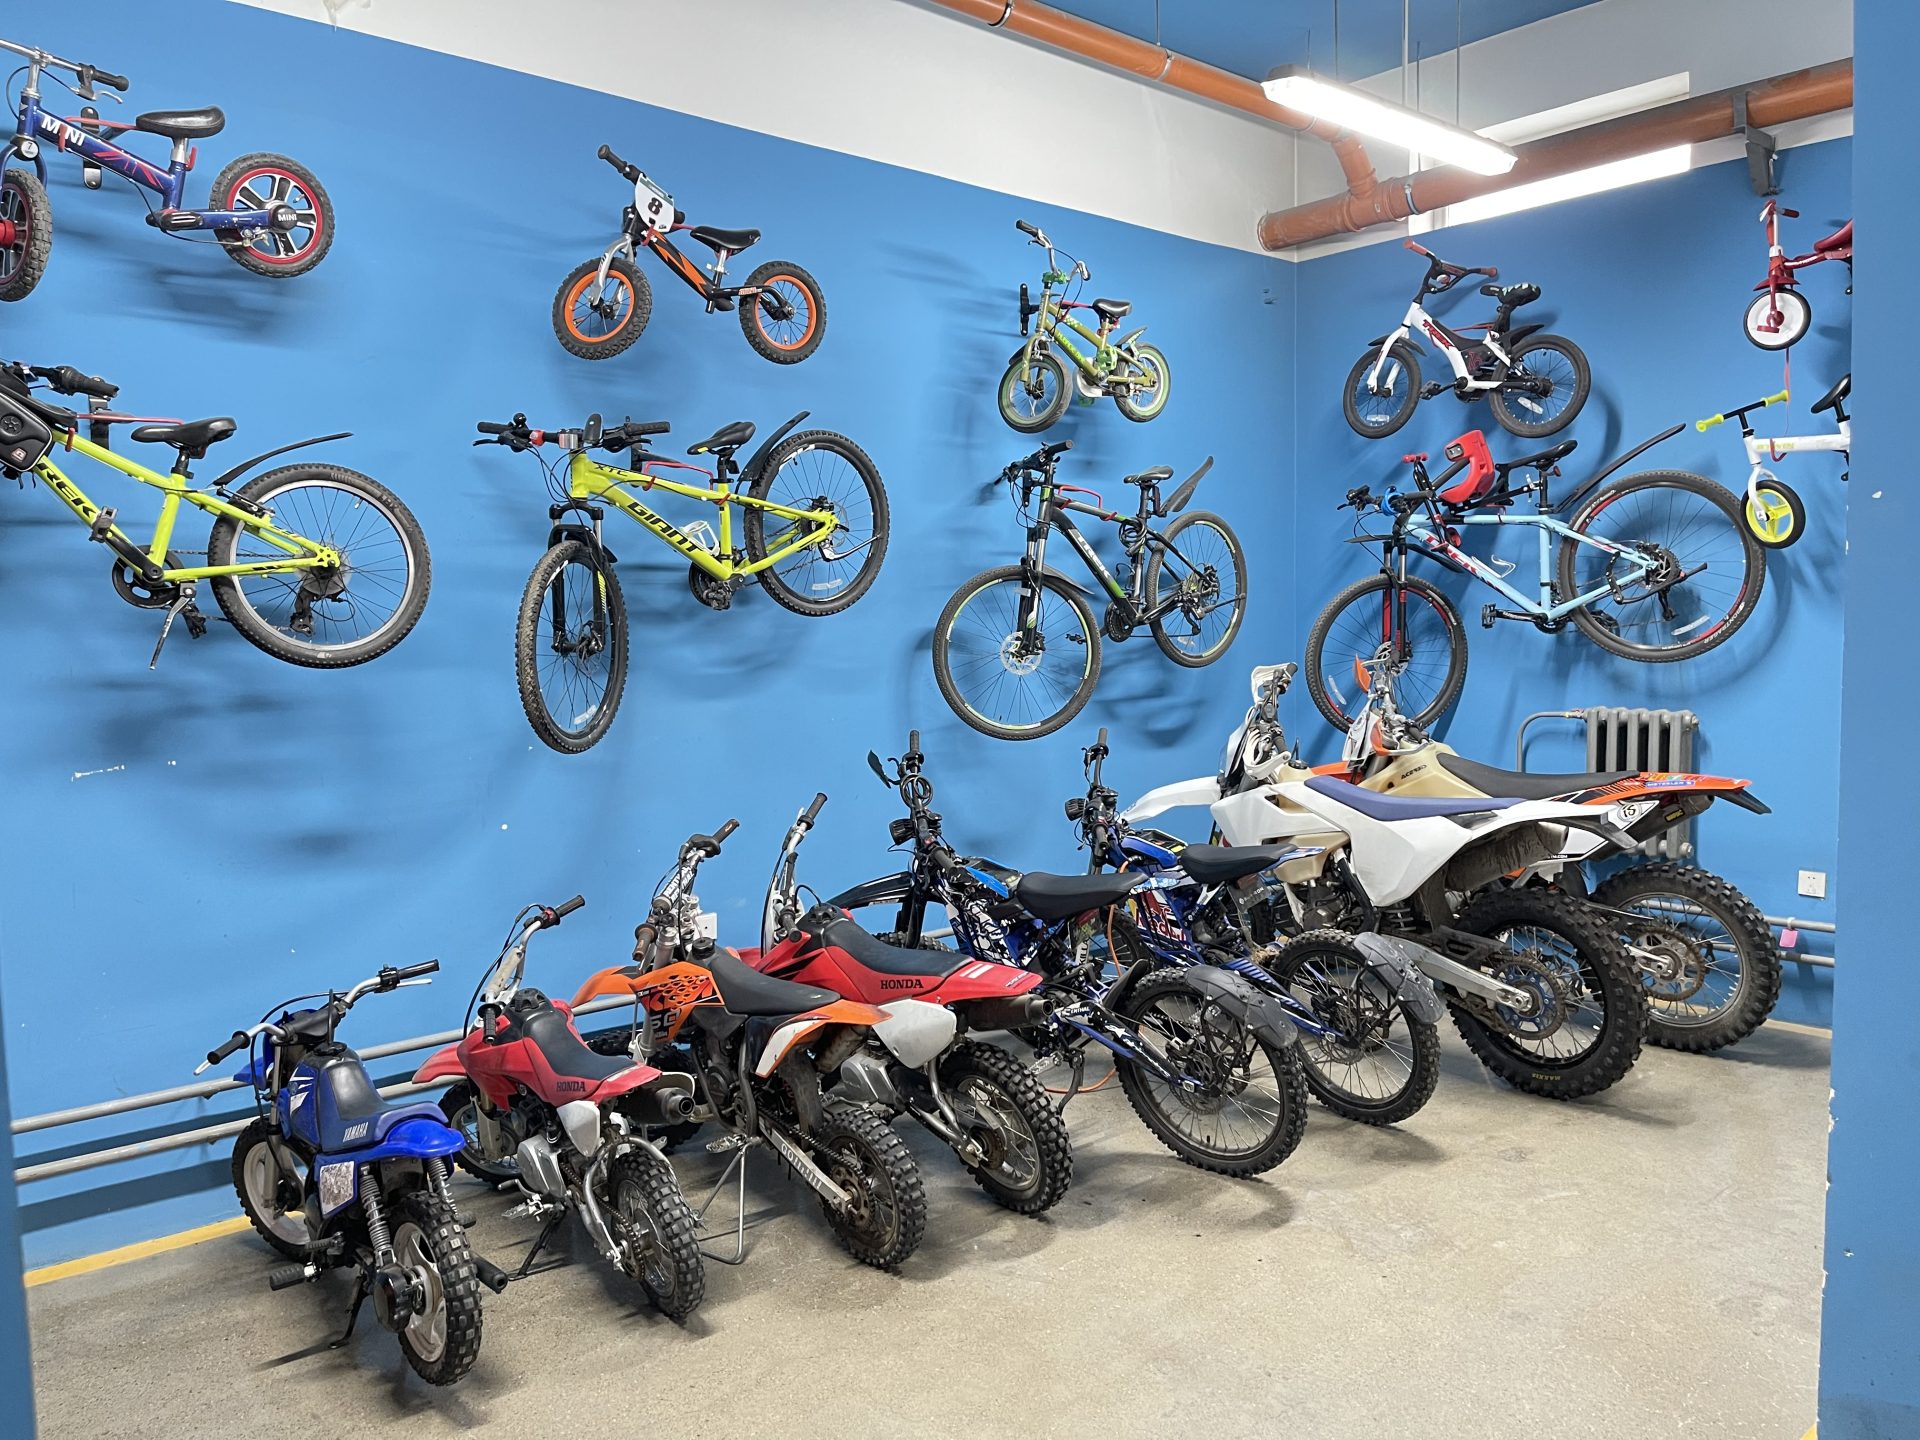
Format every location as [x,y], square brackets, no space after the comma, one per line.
[1654,165]
[1298,88]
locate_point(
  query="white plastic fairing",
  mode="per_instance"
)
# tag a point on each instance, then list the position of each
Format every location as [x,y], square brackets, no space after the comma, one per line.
[582,1121]
[1171,797]
[916,1030]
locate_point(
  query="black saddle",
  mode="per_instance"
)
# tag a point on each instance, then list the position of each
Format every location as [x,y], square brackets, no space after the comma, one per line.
[566,1054]
[1112,309]
[745,991]
[732,241]
[825,926]
[1525,784]
[1540,460]
[182,124]
[1151,477]
[725,440]
[1061,897]
[192,438]
[1512,297]
[1842,388]
[1219,864]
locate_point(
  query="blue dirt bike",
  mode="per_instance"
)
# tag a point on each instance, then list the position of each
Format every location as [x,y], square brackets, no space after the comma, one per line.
[1368,1033]
[1209,1063]
[331,1175]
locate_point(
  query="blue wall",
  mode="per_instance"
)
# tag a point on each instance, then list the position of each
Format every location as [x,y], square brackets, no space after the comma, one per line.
[1870,1333]
[16,1376]
[1651,282]
[192,845]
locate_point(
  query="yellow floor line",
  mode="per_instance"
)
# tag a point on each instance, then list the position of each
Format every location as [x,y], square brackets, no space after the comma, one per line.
[87,1264]
[1797,1028]
[1811,1433]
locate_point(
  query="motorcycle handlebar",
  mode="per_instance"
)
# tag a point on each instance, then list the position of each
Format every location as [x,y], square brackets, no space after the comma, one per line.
[214,1057]
[627,170]
[409,972]
[566,908]
[812,811]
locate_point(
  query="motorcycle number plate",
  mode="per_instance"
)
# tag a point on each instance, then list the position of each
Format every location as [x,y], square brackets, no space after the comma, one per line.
[654,204]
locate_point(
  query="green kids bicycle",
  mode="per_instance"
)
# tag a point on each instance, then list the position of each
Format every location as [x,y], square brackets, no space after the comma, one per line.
[815,533]
[343,587]
[1036,389]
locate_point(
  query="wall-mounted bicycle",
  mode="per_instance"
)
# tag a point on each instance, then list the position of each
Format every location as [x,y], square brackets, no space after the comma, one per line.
[603,305]
[1655,566]
[1781,315]
[1016,651]
[815,535]
[345,586]
[268,212]
[1035,390]
[1775,512]
[1534,384]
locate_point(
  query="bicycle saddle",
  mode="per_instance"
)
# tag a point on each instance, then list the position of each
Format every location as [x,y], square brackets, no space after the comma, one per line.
[1842,388]
[1537,461]
[725,440]
[192,438]
[1512,296]
[1151,477]
[1112,309]
[182,124]
[729,240]
[1841,239]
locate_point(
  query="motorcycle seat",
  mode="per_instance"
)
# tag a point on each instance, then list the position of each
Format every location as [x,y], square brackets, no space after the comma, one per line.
[358,1116]
[1841,239]
[825,926]
[1111,310]
[182,124]
[725,440]
[549,1031]
[743,990]
[1526,784]
[1376,806]
[732,241]
[1842,388]
[1061,897]
[1219,864]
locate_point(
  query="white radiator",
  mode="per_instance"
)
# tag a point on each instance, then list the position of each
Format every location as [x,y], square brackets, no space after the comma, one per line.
[1621,739]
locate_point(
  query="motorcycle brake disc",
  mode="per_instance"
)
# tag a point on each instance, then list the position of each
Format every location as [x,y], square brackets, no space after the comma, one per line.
[1678,971]
[1543,980]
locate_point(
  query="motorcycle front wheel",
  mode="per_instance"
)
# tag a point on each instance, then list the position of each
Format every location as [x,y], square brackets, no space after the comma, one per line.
[442,1338]
[1029,1159]
[657,1233]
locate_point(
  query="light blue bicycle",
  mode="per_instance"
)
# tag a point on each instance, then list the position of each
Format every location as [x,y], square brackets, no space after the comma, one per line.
[1655,566]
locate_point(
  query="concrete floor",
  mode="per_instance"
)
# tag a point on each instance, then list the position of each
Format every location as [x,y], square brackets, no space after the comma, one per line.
[1646,1264]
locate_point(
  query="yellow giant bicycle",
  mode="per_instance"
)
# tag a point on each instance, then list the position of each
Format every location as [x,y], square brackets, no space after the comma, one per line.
[314,564]
[814,535]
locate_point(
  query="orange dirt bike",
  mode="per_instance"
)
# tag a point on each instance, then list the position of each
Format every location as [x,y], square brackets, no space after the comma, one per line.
[603,305]
[763,1052]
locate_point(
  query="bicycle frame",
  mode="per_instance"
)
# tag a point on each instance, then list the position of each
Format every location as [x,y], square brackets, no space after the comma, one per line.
[301,553]
[588,480]
[1053,318]
[1434,541]
[1052,515]
[1451,343]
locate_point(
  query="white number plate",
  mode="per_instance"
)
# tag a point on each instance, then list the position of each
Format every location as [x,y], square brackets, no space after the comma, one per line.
[653,203]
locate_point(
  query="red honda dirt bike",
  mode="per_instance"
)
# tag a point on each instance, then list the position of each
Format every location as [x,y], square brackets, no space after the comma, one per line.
[988,1107]
[541,1111]
[1781,315]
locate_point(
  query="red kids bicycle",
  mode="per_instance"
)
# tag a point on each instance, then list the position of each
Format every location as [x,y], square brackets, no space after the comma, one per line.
[1781,316]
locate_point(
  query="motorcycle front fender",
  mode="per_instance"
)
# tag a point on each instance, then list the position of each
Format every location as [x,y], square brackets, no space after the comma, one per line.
[1258,1011]
[886,890]
[1396,962]
[1202,792]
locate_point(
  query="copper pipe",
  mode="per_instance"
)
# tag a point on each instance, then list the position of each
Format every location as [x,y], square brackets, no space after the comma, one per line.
[1796,96]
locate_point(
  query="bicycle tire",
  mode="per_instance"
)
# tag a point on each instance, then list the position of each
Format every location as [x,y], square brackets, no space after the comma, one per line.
[626,329]
[1456,674]
[1753,583]
[754,318]
[756,522]
[1410,366]
[1149,358]
[556,735]
[22,194]
[1160,637]
[942,662]
[1047,414]
[1501,404]
[1796,319]
[1764,519]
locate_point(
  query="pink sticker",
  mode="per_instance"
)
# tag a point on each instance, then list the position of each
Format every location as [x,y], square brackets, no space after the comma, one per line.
[1789,939]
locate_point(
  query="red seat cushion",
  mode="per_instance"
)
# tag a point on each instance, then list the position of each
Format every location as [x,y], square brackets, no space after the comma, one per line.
[1841,239]
[1475,484]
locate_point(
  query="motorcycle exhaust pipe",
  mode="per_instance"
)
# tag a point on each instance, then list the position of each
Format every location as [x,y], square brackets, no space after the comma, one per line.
[1005,1012]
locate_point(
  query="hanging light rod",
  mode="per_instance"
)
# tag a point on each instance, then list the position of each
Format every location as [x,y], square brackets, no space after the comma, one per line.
[1298,88]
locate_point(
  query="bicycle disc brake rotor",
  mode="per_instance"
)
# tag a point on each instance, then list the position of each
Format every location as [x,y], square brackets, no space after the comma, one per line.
[1663,572]
[1549,989]
[135,591]
[1017,658]
[1674,963]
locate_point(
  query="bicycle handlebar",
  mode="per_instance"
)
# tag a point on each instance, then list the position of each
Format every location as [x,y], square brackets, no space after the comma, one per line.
[69,381]
[628,170]
[1707,424]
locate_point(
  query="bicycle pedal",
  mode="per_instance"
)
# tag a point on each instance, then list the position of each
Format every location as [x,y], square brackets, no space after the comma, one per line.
[1433,388]
[1488,615]
[102,525]
[196,623]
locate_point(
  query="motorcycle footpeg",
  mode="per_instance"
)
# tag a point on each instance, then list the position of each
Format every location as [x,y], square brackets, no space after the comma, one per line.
[287,1276]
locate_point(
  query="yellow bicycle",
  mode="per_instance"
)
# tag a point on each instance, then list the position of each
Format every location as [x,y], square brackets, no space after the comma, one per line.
[314,564]
[814,536]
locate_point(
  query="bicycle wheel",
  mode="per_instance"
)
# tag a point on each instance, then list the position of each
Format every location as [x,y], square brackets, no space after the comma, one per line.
[819,470]
[264,181]
[1675,567]
[1033,401]
[1382,407]
[324,619]
[1369,1061]
[1795,319]
[569,652]
[1560,363]
[1206,570]
[598,324]
[27,219]
[786,322]
[1005,682]
[1142,402]
[1357,625]
[1775,513]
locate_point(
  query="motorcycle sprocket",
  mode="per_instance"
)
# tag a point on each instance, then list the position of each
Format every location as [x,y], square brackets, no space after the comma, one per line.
[1537,976]
[1682,968]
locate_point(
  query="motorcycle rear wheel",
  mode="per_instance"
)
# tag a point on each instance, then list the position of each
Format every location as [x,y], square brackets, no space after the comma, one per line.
[643,1196]
[862,1153]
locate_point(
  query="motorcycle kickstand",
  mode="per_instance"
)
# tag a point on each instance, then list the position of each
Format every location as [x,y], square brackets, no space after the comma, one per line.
[182,605]
[546,1233]
[739,1164]
[1079,1063]
[353,1310]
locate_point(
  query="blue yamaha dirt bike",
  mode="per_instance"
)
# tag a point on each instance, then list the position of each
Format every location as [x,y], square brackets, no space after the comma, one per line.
[330,1175]
[1210,1063]
[1367,1022]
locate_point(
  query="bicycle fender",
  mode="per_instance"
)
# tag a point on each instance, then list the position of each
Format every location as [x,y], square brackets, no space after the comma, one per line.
[1177,501]
[1611,466]
[1518,333]
[568,530]
[245,465]
[766,447]
[1127,339]
[885,890]
[1409,339]
[1073,584]
[1396,962]
[1258,1011]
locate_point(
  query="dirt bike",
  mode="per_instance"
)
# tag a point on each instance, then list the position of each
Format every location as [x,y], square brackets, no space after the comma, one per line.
[977,1098]
[538,1110]
[330,1174]
[764,1053]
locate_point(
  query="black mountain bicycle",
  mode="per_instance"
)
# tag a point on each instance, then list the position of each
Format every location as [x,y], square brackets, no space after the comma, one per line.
[1016,651]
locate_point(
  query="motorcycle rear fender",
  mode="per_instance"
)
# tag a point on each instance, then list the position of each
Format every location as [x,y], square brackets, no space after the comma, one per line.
[1395,961]
[886,890]
[1202,792]
[759,457]
[443,1064]
[916,1031]
[1259,1011]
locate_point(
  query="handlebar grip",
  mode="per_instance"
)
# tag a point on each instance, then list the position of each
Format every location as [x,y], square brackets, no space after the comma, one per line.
[627,171]
[214,1057]
[567,907]
[648,427]
[411,972]
[913,741]
[1707,424]
[1101,738]
[489,427]
[1779,399]
[111,80]
[720,835]
[813,810]
[1028,227]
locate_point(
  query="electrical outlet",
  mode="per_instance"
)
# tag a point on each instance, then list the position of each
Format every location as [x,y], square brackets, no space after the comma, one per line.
[1813,883]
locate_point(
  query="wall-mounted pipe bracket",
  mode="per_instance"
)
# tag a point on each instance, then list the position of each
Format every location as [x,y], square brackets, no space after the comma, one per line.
[1762,148]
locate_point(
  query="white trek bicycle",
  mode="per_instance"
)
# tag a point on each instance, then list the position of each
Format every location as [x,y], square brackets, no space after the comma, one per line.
[1774,511]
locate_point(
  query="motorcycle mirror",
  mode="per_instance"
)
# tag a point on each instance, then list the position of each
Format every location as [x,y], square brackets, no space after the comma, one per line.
[873,764]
